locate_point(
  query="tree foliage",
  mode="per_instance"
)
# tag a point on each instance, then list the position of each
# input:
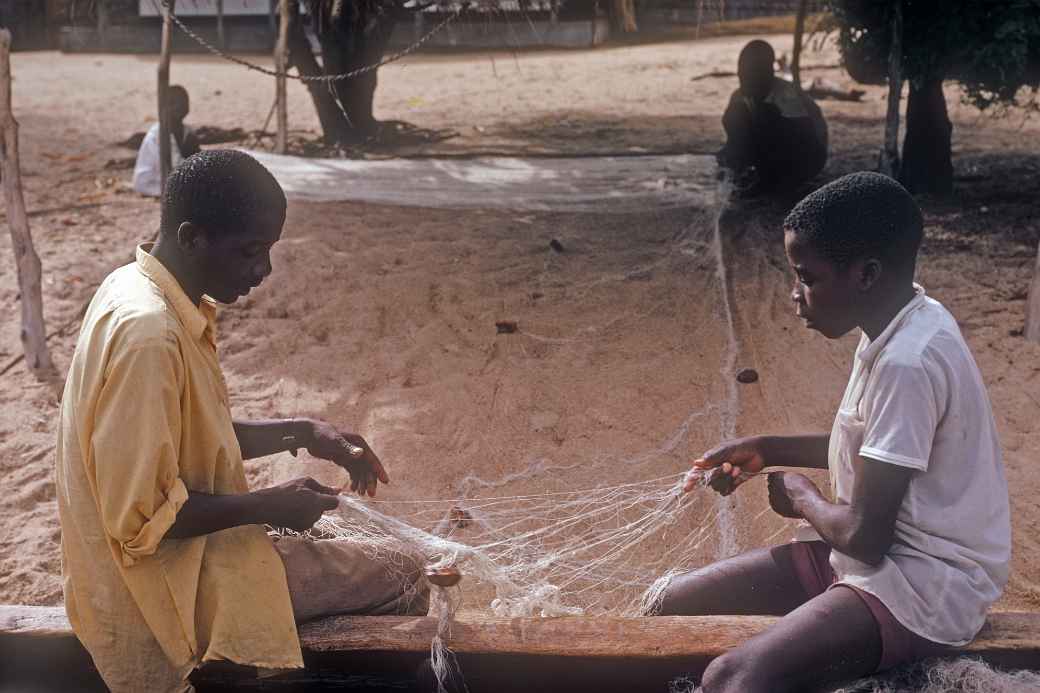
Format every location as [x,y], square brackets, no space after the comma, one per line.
[992,47]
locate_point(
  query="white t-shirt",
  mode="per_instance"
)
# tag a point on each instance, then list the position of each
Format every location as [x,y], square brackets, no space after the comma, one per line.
[147,173]
[916,399]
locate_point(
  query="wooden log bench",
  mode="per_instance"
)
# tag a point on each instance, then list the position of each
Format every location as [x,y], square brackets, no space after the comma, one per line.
[38,648]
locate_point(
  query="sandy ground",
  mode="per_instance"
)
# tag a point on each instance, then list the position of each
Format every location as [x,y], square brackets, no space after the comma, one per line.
[381,318]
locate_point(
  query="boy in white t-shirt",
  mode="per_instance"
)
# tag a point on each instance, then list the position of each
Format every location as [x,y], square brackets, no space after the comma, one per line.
[916,544]
[183,143]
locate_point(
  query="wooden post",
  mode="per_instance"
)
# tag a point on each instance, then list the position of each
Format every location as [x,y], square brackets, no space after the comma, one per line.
[220,25]
[33,333]
[102,23]
[625,16]
[281,64]
[888,160]
[1032,330]
[165,155]
[796,52]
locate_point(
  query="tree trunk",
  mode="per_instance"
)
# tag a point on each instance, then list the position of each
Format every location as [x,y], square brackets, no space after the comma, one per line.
[333,123]
[33,332]
[888,160]
[357,38]
[796,52]
[352,35]
[102,23]
[927,165]
[625,16]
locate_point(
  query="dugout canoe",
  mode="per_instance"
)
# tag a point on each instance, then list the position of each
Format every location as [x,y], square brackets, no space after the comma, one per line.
[38,651]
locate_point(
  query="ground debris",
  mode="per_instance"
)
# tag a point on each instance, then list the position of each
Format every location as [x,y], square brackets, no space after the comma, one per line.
[506,326]
[747,376]
[460,517]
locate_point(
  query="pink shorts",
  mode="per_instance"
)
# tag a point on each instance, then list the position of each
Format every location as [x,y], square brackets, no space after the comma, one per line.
[898,644]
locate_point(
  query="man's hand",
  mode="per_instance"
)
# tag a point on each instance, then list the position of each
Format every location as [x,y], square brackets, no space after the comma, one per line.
[735,460]
[296,504]
[786,489]
[351,452]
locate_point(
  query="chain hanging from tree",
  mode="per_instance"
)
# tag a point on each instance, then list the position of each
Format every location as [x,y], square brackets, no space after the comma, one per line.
[393,57]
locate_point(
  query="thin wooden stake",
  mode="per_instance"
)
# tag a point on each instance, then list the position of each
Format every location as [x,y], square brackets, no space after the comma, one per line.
[625,16]
[1032,330]
[281,62]
[102,23]
[165,155]
[796,53]
[888,160]
[30,271]
[220,24]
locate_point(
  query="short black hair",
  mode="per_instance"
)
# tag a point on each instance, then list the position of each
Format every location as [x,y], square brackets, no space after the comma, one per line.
[756,57]
[177,93]
[221,190]
[857,216]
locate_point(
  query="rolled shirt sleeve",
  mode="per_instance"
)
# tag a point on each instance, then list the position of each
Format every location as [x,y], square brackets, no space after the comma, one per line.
[135,445]
[902,409]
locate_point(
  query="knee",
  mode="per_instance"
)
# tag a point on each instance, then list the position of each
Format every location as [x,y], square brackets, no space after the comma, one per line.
[684,595]
[721,674]
[732,672]
[667,604]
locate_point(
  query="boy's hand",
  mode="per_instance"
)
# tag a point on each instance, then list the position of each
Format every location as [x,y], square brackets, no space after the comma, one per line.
[736,459]
[296,504]
[351,452]
[785,489]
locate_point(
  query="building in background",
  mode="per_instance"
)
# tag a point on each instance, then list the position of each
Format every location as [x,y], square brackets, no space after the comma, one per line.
[250,26]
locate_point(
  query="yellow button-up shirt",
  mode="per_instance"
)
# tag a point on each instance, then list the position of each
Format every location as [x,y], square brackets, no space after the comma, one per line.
[145,419]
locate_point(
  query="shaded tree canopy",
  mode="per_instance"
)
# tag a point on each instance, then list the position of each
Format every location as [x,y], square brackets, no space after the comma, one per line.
[991,47]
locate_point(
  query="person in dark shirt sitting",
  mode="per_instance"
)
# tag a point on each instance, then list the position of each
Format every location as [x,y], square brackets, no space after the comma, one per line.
[776,137]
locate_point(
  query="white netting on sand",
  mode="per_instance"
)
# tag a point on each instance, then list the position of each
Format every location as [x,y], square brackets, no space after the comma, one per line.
[590,551]
[607,549]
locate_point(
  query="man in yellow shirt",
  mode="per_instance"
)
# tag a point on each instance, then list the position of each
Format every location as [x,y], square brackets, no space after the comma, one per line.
[166,561]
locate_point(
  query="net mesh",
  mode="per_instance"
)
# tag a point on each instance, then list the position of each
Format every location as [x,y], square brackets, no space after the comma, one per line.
[607,549]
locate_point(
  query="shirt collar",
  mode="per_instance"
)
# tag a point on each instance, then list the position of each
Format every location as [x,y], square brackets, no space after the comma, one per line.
[198,320]
[871,349]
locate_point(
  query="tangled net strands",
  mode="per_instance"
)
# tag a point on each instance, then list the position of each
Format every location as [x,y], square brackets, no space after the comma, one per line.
[963,675]
[607,550]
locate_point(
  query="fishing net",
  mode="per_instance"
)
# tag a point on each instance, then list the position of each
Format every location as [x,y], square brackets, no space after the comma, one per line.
[529,544]
[608,548]
[964,675]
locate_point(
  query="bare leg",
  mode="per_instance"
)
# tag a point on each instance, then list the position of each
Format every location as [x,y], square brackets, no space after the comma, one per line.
[762,582]
[830,638]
